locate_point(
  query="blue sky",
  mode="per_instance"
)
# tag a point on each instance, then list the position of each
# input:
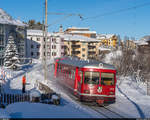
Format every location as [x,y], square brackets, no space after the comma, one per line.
[132,23]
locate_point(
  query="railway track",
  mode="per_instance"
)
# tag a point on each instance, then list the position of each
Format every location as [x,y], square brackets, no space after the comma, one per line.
[101,110]
[106,112]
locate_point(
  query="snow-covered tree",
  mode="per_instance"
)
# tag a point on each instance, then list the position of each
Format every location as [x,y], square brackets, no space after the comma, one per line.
[11,56]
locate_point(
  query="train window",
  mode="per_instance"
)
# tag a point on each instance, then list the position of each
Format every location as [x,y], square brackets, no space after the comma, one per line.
[107,79]
[91,77]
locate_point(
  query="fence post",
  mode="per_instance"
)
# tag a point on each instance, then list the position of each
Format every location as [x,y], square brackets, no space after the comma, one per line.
[0,99]
[7,99]
[4,98]
[13,98]
[148,87]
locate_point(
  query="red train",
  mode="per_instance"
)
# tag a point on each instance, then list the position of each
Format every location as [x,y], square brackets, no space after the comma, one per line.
[89,80]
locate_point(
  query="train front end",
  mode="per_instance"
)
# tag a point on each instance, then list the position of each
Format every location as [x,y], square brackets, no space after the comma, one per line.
[97,84]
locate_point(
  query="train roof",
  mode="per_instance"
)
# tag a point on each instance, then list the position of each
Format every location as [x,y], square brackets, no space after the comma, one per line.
[85,63]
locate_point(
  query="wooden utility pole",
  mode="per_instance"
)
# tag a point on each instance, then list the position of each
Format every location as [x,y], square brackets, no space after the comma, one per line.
[45,43]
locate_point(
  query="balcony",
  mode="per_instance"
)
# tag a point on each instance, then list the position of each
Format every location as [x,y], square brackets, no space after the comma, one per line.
[75,52]
[75,46]
[91,52]
[91,46]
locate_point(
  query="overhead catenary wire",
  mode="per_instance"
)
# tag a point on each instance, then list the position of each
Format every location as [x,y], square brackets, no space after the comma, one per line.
[118,11]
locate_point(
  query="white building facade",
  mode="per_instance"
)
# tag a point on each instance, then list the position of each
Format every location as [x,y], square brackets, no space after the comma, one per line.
[35,43]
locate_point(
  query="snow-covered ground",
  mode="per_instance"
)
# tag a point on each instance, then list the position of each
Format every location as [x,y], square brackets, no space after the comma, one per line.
[131,98]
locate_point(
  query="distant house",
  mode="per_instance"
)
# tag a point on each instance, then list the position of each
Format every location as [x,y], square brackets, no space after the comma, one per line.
[7,26]
[107,39]
[144,45]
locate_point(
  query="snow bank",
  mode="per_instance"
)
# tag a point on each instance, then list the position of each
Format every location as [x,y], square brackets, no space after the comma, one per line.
[4,114]
[38,110]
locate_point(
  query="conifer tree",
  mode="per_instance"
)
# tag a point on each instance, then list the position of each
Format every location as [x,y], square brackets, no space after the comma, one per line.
[11,56]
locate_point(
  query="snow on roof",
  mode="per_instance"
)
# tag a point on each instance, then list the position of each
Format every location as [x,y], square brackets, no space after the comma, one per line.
[35,93]
[90,32]
[143,41]
[35,32]
[69,37]
[140,42]
[104,48]
[104,36]
[85,63]
[78,28]
[7,19]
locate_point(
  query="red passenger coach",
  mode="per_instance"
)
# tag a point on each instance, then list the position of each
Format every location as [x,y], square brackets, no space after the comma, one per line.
[89,80]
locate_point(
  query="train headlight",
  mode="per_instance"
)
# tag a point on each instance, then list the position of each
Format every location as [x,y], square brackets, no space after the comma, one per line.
[99,90]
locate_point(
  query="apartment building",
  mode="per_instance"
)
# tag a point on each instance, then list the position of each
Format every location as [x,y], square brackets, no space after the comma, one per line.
[8,26]
[107,39]
[57,45]
[80,46]
[35,42]
[54,44]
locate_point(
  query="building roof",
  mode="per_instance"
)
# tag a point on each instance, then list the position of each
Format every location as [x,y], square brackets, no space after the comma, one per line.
[143,41]
[104,36]
[86,63]
[102,48]
[35,32]
[68,37]
[83,32]
[86,28]
[7,19]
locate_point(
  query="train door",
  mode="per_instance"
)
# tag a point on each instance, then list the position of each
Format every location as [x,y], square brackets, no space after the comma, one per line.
[80,79]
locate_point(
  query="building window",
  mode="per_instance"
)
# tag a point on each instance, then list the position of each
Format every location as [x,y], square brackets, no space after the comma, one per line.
[1,29]
[38,46]
[53,53]
[48,53]
[83,49]
[1,40]
[38,53]
[31,38]
[32,54]
[62,47]
[38,39]
[83,55]
[53,46]
[48,46]
[32,46]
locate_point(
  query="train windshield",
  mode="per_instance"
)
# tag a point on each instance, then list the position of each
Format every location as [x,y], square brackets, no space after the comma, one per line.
[91,77]
[107,79]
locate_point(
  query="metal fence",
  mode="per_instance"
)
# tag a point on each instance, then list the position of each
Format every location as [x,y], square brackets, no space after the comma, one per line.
[6,99]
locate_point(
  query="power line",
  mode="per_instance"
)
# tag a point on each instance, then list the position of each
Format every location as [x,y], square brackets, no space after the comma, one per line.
[118,11]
